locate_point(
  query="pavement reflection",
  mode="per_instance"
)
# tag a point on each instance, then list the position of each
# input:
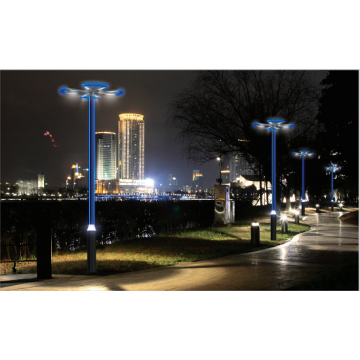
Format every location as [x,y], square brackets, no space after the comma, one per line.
[329,243]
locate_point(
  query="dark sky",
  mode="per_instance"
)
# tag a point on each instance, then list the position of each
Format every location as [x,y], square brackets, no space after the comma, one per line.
[31,105]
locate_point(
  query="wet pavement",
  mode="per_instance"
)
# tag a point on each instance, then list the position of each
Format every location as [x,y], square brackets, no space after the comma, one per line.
[329,243]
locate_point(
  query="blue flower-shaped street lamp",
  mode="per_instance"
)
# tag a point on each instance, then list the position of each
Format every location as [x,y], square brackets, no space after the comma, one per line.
[91,91]
[303,154]
[273,125]
[332,169]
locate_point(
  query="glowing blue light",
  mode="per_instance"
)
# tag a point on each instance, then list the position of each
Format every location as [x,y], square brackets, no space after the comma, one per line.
[291,126]
[255,124]
[120,92]
[275,121]
[95,84]
[62,91]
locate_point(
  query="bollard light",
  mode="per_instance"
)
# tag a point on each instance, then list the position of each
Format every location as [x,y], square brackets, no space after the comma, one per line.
[317,208]
[284,224]
[255,234]
[296,217]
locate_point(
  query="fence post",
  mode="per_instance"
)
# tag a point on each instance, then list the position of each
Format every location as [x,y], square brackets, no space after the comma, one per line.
[44,243]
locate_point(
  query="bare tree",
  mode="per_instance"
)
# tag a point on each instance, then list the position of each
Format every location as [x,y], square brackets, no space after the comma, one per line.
[224,105]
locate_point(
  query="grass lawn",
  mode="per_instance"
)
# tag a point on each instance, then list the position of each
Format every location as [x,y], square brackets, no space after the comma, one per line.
[164,250]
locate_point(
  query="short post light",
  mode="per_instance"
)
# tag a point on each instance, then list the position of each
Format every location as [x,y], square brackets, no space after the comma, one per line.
[303,154]
[296,213]
[332,169]
[255,234]
[284,224]
[273,125]
[91,91]
[317,208]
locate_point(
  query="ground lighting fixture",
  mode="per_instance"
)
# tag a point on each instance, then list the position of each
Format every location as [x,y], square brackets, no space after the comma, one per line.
[91,91]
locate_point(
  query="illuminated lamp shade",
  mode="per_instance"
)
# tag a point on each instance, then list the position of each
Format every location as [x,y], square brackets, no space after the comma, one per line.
[62,90]
[120,92]
[98,85]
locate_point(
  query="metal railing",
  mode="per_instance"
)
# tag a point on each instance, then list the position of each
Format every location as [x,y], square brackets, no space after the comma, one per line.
[18,260]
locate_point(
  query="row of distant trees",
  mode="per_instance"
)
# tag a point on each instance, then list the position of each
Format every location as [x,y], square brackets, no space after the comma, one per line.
[222,105]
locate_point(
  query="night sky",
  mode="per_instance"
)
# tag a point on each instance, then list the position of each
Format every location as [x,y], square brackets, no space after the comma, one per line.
[31,105]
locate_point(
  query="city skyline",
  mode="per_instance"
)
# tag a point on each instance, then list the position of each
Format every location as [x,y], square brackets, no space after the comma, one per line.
[27,115]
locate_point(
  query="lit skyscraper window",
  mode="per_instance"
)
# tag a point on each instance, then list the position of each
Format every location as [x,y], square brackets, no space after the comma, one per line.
[105,167]
[131,135]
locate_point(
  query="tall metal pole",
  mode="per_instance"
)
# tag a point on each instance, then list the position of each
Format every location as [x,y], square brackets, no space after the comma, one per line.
[91,230]
[273,187]
[332,189]
[273,125]
[303,154]
[303,187]
[91,92]
[332,169]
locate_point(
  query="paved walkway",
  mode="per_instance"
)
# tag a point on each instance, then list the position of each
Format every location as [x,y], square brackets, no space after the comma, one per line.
[329,243]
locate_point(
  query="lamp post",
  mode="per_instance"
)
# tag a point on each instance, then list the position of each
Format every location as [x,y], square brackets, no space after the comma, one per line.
[332,169]
[273,125]
[303,154]
[91,91]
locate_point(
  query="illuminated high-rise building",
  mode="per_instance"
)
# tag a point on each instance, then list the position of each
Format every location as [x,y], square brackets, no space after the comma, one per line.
[198,181]
[41,180]
[105,164]
[131,136]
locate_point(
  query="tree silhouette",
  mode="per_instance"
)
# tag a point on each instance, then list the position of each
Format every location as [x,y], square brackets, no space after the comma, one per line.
[339,115]
[224,104]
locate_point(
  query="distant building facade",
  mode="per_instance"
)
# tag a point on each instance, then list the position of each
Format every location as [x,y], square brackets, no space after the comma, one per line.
[131,145]
[233,166]
[172,183]
[105,163]
[76,180]
[197,182]
[41,181]
[248,180]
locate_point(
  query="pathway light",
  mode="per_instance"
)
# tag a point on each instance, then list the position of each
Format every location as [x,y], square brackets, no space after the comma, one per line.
[273,125]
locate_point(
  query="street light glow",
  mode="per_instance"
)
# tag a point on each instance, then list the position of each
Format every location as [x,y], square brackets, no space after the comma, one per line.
[303,154]
[273,125]
[91,92]
[332,168]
